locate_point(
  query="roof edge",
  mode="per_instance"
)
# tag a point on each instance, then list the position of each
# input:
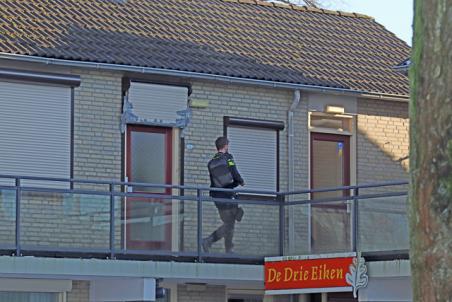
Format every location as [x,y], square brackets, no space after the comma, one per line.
[301,8]
[203,76]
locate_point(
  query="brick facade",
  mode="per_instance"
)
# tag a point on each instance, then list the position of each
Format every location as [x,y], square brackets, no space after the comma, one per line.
[79,292]
[79,221]
[207,125]
[383,141]
[97,113]
[67,221]
[82,221]
[210,294]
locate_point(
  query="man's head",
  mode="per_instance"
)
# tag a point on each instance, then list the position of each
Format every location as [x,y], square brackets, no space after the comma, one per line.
[222,144]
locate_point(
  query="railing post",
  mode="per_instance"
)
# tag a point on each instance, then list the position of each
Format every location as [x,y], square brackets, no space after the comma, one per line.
[112,221]
[282,223]
[199,217]
[309,206]
[355,221]
[18,199]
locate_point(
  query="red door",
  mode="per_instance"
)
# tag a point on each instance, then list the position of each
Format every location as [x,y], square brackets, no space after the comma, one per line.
[330,167]
[149,157]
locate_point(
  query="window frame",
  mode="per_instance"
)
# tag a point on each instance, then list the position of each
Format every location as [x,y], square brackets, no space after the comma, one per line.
[277,126]
[50,80]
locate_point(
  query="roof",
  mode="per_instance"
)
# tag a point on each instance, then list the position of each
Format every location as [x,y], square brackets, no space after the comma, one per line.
[237,38]
[404,65]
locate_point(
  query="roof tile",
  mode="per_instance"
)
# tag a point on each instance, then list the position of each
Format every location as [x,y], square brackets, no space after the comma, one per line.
[240,38]
[264,3]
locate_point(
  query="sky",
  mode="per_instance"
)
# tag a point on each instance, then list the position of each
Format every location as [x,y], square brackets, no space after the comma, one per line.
[395,15]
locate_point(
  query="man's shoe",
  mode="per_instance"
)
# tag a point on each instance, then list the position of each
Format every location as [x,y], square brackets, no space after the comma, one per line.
[229,249]
[239,214]
[206,245]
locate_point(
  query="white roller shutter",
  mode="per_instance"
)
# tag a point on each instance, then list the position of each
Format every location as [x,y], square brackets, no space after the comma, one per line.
[157,102]
[254,151]
[35,129]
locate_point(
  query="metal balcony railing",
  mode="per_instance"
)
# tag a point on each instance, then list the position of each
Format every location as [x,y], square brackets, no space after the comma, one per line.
[110,219]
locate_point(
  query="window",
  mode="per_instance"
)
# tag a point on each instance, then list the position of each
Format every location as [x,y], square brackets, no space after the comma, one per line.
[330,163]
[149,156]
[35,129]
[255,147]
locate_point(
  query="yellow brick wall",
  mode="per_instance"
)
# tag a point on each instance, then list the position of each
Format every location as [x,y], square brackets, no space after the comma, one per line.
[383,137]
[383,141]
[79,293]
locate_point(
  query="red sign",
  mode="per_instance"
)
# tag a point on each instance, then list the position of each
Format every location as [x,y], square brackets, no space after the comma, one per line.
[307,274]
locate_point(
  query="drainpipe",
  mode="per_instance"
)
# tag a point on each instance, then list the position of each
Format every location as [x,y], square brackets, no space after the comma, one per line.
[291,178]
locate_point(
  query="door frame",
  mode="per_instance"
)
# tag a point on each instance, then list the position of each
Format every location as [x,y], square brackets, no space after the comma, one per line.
[168,180]
[346,139]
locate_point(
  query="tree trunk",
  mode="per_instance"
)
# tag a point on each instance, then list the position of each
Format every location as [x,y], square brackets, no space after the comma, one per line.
[431,152]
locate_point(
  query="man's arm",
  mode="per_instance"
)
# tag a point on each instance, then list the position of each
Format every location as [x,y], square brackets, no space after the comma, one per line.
[235,173]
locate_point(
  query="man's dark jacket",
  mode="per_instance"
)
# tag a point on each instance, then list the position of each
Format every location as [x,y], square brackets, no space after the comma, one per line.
[238,180]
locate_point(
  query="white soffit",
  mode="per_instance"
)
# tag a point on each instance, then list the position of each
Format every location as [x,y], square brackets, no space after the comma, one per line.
[157,102]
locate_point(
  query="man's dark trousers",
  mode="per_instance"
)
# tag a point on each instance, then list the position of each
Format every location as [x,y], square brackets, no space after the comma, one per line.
[226,230]
[228,214]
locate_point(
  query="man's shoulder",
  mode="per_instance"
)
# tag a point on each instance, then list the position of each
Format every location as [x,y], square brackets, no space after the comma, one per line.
[216,157]
[228,156]
[224,155]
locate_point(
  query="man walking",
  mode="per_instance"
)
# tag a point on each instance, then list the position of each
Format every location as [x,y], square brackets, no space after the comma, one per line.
[224,174]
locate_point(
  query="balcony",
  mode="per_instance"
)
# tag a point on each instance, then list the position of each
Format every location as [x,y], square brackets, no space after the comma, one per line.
[119,220]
